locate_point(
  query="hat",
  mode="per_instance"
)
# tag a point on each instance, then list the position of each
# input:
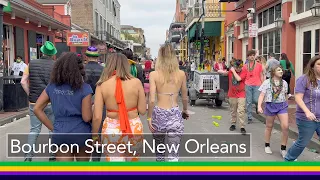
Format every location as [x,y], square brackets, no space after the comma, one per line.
[238,63]
[48,48]
[92,52]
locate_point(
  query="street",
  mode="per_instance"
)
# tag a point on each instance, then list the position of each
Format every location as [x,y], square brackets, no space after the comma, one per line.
[199,122]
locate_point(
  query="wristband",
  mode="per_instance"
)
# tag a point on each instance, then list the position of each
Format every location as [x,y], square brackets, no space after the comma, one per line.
[148,119]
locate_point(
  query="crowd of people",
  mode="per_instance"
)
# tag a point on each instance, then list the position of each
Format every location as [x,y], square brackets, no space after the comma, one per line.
[69,96]
[267,83]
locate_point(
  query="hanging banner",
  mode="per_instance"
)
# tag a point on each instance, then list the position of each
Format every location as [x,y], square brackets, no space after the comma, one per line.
[253,30]
[78,39]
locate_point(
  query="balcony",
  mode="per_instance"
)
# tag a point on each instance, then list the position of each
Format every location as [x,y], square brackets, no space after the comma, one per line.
[212,10]
[175,35]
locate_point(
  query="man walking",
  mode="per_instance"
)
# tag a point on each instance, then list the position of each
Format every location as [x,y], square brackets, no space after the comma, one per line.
[254,79]
[34,80]
[93,72]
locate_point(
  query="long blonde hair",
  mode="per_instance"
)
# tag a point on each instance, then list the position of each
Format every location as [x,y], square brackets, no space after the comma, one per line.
[262,60]
[116,62]
[167,64]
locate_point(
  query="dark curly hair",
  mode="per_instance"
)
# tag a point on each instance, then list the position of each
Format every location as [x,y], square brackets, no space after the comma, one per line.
[68,69]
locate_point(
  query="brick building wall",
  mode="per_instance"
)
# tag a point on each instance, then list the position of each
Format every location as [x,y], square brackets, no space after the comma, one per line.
[82,14]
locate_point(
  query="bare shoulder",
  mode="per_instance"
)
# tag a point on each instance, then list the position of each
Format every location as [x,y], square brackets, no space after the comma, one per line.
[153,74]
[181,73]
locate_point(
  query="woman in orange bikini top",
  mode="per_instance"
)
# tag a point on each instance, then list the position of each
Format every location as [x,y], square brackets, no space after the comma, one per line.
[123,102]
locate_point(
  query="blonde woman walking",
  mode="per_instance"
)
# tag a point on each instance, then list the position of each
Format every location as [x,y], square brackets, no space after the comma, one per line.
[165,118]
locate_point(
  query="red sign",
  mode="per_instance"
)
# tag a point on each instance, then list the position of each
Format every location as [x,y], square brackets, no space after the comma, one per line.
[78,39]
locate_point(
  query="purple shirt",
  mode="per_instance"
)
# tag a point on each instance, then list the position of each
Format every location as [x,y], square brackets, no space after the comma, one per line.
[301,87]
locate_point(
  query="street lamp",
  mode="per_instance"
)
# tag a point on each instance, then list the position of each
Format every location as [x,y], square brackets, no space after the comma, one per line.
[279,22]
[315,10]
[232,38]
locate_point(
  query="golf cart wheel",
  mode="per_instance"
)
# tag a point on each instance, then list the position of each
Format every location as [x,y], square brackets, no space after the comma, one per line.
[218,102]
[192,102]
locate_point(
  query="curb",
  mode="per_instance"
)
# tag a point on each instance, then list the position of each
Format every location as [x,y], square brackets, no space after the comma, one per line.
[293,134]
[15,117]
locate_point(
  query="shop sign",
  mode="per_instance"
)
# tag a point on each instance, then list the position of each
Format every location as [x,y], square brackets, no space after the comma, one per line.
[78,39]
[253,30]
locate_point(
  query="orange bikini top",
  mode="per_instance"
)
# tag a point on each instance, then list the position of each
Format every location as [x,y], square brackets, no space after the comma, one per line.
[122,112]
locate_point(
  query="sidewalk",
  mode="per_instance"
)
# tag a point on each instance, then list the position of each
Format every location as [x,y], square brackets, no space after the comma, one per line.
[8,117]
[293,129]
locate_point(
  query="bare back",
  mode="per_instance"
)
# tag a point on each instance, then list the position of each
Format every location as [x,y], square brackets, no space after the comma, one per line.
[132,91]
[167,93]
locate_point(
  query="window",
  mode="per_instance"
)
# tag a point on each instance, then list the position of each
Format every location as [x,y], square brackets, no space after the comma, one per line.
[268,16]
[265,17]
[317,47]
[107,4]
[245,25]
[278,11]
[97,23]
[304,5]
[306,47]
[260,20]
[271,42]
[105,26]
[271,15]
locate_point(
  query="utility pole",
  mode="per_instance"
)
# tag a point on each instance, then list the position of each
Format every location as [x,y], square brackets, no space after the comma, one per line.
[254,5]
[202,33]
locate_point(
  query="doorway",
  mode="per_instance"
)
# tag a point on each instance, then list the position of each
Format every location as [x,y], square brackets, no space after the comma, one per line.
[245,46]
[310,43]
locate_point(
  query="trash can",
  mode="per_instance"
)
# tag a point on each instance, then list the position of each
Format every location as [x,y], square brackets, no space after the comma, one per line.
[14,97]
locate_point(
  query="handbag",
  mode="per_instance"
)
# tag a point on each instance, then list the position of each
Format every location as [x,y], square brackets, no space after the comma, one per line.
[286,74]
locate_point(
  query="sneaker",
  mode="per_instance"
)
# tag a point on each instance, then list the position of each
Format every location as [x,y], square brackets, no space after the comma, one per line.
[283,153]
[52,159]
[243,131]
[27,160]
[249,121]
[268,150]
[232,127]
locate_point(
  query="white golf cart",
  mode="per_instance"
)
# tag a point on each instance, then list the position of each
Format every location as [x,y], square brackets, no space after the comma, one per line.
[206,85]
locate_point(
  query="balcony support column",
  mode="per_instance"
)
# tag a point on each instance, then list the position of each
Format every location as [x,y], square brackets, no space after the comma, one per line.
[237,42]
[250,39]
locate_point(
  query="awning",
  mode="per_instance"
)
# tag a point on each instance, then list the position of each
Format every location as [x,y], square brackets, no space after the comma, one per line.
[212,28]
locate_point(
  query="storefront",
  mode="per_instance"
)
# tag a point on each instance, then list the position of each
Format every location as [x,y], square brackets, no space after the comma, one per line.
[307,34]
[25,32]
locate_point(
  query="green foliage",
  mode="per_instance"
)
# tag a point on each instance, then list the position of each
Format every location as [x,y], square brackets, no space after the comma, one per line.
[128,36]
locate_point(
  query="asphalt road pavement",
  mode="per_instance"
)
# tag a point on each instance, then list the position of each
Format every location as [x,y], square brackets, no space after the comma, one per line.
[200,122]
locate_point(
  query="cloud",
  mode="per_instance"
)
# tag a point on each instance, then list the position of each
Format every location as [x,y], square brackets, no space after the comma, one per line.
[153,16]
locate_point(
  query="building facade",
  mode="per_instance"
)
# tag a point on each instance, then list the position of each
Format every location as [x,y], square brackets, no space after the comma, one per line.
[27,27]
[135,34]
[101,20]
[284,26]
[213,29]
[176,30]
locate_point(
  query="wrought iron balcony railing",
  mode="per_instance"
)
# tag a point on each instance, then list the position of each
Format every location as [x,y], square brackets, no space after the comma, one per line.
[212,10]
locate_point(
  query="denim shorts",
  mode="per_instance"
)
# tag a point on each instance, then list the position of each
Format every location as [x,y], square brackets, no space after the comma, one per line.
[273,109]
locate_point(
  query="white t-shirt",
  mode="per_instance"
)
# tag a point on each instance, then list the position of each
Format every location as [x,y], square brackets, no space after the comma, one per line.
[17,67]
[193,67]
[266,88]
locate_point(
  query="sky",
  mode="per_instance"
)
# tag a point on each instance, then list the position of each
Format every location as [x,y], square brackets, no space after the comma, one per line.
[153,16]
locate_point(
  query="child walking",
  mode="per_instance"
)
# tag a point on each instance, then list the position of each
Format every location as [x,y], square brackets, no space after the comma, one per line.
[236,93]
[274,93]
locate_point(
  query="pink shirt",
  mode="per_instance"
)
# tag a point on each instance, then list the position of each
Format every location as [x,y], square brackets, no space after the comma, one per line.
[254,77]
